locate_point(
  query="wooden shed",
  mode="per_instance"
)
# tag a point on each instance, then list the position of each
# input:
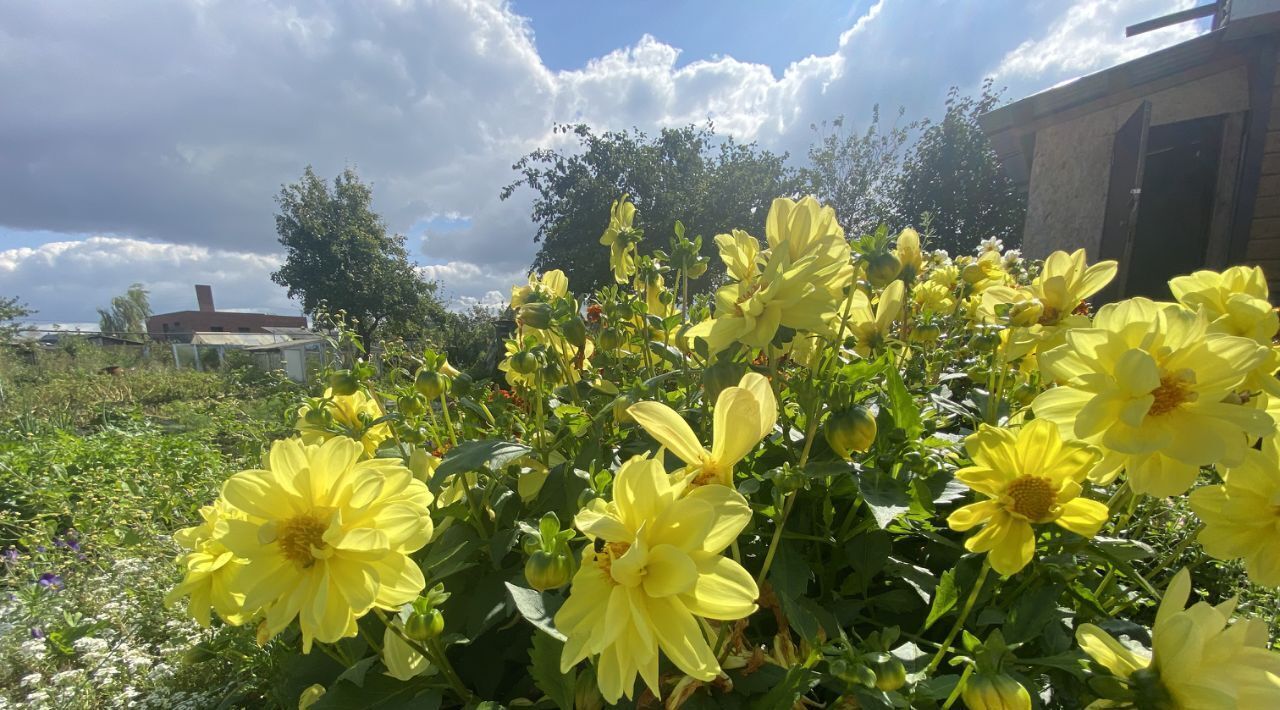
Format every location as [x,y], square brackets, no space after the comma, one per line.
[1168,163]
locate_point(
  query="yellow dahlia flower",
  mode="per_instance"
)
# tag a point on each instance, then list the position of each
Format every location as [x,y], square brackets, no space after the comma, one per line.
[351,413]
[326,536]
[784,294]
[1030,478]
[1237,302]
[744,415]
[655,567]
[809,229]
[546,288]
[621,238]
[1066,281]
[1198,658]
[211,571]
[1213,290]
[908,253]
[1147,383]
[933,297]
[1242,516]
[870,327]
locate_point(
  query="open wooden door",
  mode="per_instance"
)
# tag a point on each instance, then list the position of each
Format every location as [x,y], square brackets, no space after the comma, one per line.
[1128,158]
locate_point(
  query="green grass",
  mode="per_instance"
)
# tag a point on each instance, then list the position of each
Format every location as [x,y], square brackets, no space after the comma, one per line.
[96,473]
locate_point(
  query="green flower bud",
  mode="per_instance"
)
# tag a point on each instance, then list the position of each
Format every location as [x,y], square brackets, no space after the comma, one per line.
[851,430]
[535,315]
[424,626]
[524,362]
[882,269]
[928,333]
[318,417]
[575,331]
[430,384]
[609,339]
[890,673]
[343,383]
[410,405]
[547,570]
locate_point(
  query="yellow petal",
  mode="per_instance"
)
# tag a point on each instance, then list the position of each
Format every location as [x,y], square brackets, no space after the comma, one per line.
[681,638]
[1083,517]
[669,571]
[736,429]
[759,386]
[1104,649]
[724,590]
[664,425]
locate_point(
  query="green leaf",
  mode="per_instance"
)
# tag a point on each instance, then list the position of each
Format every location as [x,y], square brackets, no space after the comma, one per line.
[492,454]
[944,598]
[886,496]
[1113,548]
[1031,613]
[380,692]
[906,413]
[797,682]
[453,552]
[538,608]
[544,668]
[868,553]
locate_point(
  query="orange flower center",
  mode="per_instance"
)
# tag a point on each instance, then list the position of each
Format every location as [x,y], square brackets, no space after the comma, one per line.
[1172,392]
[299,536]
[1032,497]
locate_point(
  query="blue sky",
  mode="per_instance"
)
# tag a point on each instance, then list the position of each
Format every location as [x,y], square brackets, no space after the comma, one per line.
[151,151]
[568,33]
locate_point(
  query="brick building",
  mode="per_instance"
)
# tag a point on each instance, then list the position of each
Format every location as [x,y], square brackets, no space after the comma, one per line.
[180,325]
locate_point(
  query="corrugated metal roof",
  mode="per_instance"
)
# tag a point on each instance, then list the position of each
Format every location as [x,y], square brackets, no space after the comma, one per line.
[238,339]
[296,343]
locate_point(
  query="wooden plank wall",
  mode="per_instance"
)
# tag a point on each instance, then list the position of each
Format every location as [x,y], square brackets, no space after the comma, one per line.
[1264,234]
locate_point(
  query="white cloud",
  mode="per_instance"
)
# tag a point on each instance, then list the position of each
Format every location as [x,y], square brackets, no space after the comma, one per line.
[78,276]
[1087,38]
[176,123]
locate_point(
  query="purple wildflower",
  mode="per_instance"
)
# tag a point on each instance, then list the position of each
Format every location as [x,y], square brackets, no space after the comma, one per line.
[50,580]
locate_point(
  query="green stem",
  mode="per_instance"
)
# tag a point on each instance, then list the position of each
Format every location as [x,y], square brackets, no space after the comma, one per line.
[448,421]
[955,692]
[964,616]
[434,652]
[787,505]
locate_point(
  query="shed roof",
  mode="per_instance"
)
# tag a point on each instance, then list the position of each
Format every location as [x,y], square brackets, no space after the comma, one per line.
[1012,127]
[238,339]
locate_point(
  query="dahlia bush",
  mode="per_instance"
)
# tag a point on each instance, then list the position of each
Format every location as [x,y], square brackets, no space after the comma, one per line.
[856,474]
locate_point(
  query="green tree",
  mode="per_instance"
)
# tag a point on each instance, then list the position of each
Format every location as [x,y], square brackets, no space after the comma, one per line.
[338,254]
[711,184]
[12,311]
[858,173]
[953,174]
[127,315]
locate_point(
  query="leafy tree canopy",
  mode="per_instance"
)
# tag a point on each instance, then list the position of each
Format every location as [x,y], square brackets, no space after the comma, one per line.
[12,311]
[127,315]
[339,255]
[711,184]
[953,174]
[858,173]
